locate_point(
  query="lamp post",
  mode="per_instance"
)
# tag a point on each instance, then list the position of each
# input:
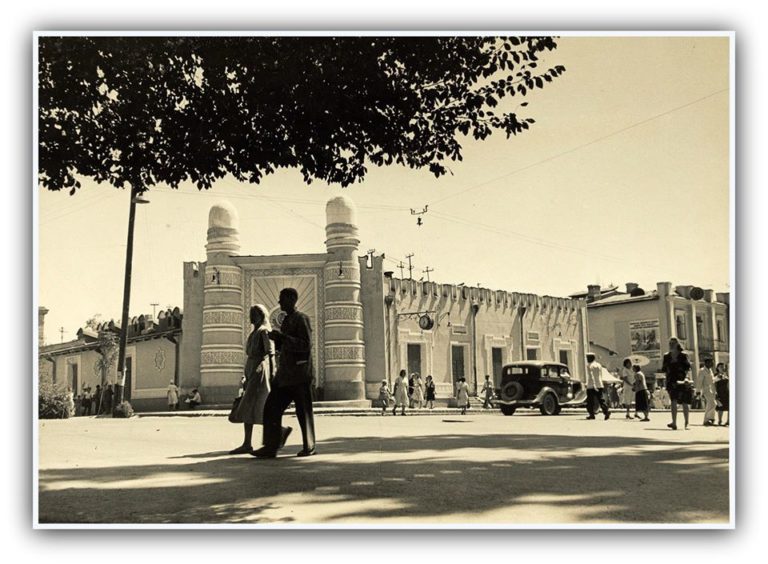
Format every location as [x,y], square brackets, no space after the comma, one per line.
[135,199]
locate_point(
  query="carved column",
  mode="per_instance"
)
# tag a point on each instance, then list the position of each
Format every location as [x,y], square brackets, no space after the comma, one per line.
[221,354]
[344,348]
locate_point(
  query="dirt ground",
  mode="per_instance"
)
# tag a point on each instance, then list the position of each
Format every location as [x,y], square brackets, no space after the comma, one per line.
[481,468]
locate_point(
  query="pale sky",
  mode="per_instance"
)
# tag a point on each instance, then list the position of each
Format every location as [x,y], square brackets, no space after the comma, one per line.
[623,178]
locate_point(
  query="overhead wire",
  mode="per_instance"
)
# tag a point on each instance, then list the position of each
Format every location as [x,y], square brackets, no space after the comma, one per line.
[526,238]
[578,147]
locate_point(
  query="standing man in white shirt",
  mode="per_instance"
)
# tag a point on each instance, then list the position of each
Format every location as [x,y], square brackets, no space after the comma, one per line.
[705,383]
[595,387]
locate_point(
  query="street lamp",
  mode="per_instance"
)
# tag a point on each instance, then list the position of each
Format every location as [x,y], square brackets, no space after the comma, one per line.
[136,198]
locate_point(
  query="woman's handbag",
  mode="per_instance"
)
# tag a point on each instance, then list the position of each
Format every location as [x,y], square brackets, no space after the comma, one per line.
[234,416]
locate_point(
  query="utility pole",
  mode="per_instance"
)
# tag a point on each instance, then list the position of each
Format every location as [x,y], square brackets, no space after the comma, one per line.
[120,384]
[154,311]
[410,266]
[401,266]
[427,271]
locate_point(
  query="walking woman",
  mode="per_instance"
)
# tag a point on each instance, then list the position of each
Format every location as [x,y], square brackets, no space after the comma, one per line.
[722,393]
[462,395]
[173,396]
[676,366]
[430,392]
[418,392]
[384,396]
[401,393]
[641,393]
[628,381]
[258,373]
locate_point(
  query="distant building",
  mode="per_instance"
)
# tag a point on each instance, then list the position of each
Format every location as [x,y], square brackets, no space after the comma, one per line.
[635,321]
[151,359]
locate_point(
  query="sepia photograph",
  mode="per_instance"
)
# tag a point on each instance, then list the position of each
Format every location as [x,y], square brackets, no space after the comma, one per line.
[400,279]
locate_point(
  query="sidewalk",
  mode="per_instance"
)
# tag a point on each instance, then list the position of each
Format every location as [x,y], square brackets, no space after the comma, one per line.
[376,412]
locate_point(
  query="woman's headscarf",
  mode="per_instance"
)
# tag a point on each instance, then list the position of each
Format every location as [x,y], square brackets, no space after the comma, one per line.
[264,314]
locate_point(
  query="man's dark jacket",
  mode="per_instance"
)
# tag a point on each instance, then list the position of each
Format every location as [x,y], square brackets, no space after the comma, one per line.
[295,346]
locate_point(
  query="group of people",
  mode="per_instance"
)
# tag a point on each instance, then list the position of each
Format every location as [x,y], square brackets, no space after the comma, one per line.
[411,392]
[90,401]
[711,388]
[407,392]
[192,399]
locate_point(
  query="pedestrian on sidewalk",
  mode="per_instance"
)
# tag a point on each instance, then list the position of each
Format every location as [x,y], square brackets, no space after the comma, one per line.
[96,401]
[429,392]
[676,366]
[595,387]
[292,382]
[487,392]
[613,391]
[418,392]
[384,395]
[173,396]
[705,384]
[69,398]
[722,391]
[462,395]
[641,393]
[411,379]
[401,393]
[257,373]
[87,400]
[194,399]
[627,384]
[106,399]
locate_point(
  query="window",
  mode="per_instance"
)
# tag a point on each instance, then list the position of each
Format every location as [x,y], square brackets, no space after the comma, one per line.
[532,354]
[700,326]
[73,377]
[457,362]
[414,358]
[720,335]
[680,326]
[497,360]
[565,357]
[516,371]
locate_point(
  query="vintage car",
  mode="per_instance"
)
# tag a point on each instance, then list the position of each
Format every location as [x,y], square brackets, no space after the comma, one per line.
[546,385]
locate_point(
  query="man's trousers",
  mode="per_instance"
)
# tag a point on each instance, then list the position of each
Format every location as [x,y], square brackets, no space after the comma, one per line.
[278,400]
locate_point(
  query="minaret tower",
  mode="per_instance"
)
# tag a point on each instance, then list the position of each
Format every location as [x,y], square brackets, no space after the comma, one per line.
[344,345]
[222,355]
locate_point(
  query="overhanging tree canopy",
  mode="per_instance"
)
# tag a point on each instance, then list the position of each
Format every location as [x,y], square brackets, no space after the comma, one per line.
[137,111]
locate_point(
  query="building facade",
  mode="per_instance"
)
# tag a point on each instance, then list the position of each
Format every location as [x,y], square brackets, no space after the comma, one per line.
[367,324]
[636,322]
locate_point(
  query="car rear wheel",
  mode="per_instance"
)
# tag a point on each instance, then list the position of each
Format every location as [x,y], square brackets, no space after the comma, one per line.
[508,409]
[549,405]
[512,391]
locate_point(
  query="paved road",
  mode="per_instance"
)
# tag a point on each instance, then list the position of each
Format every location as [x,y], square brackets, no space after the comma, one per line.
[472,469]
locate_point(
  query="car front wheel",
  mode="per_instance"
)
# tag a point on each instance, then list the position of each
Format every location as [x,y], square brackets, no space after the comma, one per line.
[508,409]
[549,405]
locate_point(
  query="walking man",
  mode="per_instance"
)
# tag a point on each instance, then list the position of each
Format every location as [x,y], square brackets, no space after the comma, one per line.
[292,382]
[705,383]
[487,392]
[595,387]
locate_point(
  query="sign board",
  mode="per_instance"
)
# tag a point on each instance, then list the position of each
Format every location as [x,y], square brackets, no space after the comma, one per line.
[644,338]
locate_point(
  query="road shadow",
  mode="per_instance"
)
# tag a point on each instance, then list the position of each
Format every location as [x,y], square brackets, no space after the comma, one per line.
[370,479]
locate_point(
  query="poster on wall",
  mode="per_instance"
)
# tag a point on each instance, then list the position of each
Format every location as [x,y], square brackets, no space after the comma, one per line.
[644,338]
